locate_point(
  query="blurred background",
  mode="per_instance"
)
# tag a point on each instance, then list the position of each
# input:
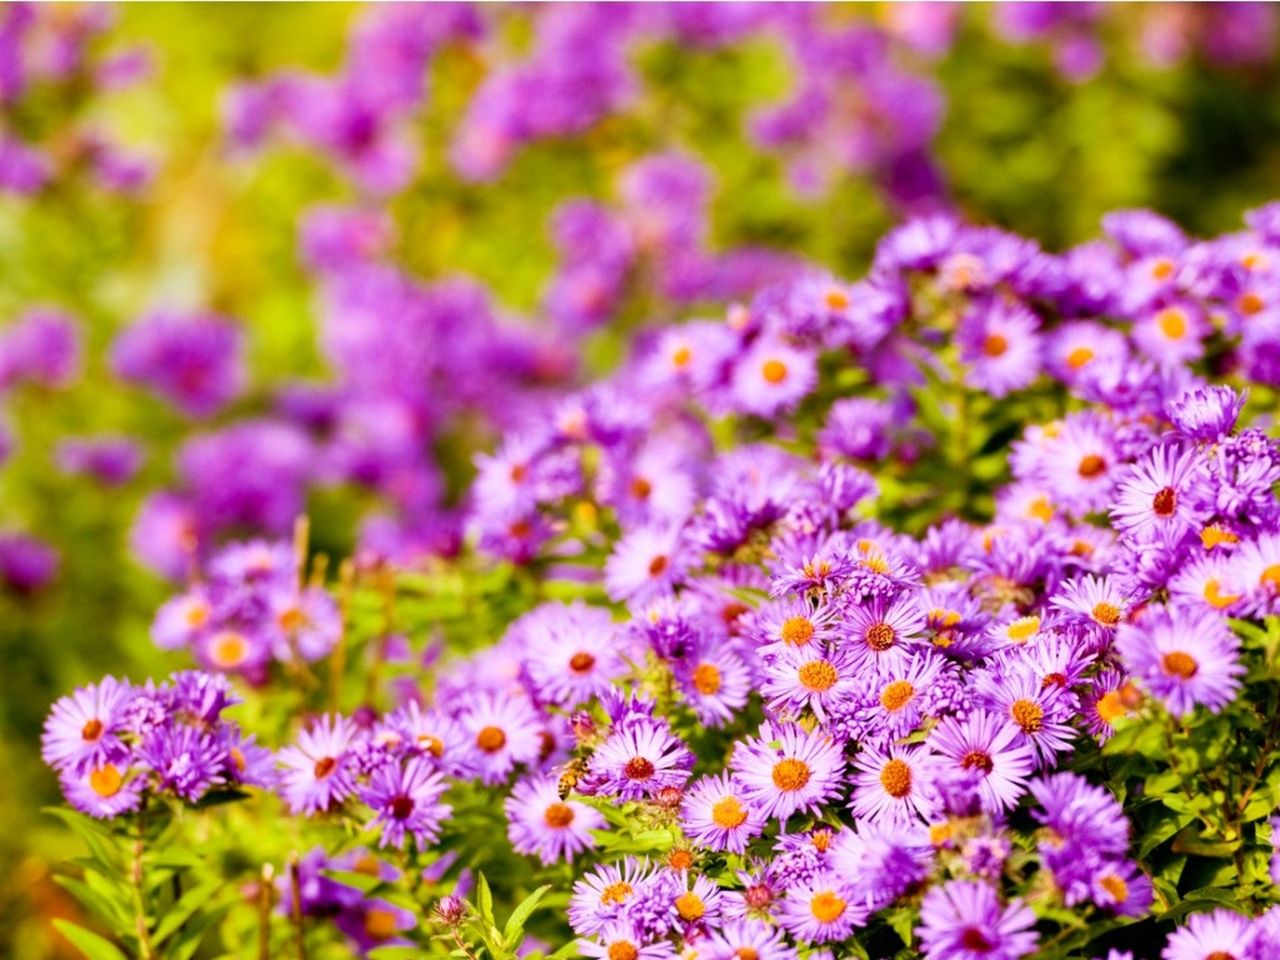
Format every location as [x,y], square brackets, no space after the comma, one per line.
[261,259]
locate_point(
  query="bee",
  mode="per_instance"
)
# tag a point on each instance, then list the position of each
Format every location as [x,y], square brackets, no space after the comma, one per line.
[570,774]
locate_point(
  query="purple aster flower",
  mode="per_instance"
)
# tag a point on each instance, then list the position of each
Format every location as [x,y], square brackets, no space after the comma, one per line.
[785,769]
[42,347]
[541,824]
[1091,600]
[1206,413]
[799,678]
[883,632]
[1185,656]
[1122,888]
[1152,498]
[103,791]
[1208,936]
[305,624]
[772,377]
[431,734]
[186,761]
[639,759]
[405,800]
[992,746]
[746,938]
[27,564]
[503,731]
[83,730]
[319,771]
[1001,345]
[821,910]
[857,427]
[646,564]
[1253,575]
[963,920]
[193,360]
[716,815]
[1084,822]
[600,895]
[165,535]
[572,652]
[111,460]
[880,862]
[891,785]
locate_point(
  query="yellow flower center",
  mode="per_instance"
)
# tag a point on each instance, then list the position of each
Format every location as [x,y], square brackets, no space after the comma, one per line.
[774,371]
[1023,629]
[616,892]
[1115,887]
[1213,536]
[1111,706]
[623,950]
[837,299]
[681,357]
[896,695]
[1270,577]
[790,774]
[690,906]
[1040,509]
[728,813]
[1214,596]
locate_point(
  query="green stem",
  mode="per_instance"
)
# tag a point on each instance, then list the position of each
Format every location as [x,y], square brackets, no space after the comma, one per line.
[139,905]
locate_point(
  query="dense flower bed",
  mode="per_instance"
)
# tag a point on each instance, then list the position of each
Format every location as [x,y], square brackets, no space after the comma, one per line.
[657,589]
[795,693]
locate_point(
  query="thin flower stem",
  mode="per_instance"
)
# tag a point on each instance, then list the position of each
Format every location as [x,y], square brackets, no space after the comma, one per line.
[264,912]
[139,905]
[295,908]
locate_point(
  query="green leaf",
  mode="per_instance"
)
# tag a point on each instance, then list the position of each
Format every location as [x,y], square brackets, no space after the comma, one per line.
[484,900]
[181,911]
[89,943]
[108,909]
[514,929]
[188,940]
[101,842]
[394,953]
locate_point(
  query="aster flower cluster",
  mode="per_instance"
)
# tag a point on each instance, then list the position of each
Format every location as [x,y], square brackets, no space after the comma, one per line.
[251,609]
[44,53]
[115,744]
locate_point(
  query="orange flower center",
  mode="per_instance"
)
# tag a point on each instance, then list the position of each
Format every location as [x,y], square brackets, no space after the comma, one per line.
[1106,614]
[641,488]
[1091,465]
[558,815]
[1111,706]
[797,631]
[837,299]
[228,649]
[431,744]
[657,565]
[1027,714]
[380,924]
[790,774]
[880,637]
[1212,537]
[1172,322]
[1270,577]
[680,859]
[896,778]
[1250,303]
[491,739]
[106,781]
[896,695]
[774,371]
[818,675]
[706,679]
[1041,509]
[1179,664]
[581,662]
[623,950]
[826,907]
[681,357]
[977,760]
[92,730]
[1214,596]
[995,345]
[1115,887]
[690,906]
[1078,357]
